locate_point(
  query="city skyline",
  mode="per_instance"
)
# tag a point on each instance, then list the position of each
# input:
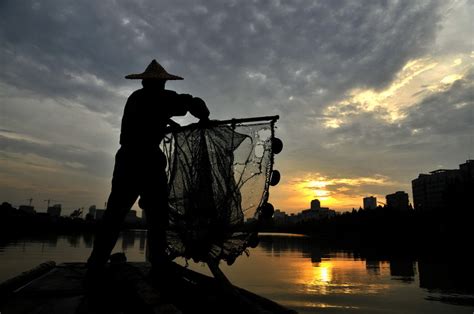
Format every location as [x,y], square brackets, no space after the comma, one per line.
[51,203]
[368,96]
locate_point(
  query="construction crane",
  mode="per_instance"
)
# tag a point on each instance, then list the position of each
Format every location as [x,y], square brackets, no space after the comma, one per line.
[77,213]
[49,201]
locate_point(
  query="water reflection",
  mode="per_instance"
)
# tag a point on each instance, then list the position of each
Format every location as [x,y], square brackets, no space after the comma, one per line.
[20,254]
[296,271]
[435,275]
[88,240]
[403,269]
[320,277]
[372,267]
[73,240]
[128,240]
[332,272]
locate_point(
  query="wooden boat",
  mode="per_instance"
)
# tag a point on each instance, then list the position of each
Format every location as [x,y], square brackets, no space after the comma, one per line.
[51,288]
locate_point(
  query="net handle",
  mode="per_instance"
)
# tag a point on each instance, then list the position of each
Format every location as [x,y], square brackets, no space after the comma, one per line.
[245,120]
[233,122]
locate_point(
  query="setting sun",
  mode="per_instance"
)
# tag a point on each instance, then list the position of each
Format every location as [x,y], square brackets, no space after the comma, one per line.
[336,193]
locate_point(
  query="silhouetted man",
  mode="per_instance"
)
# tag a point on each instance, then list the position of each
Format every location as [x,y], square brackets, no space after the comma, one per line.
[140,164]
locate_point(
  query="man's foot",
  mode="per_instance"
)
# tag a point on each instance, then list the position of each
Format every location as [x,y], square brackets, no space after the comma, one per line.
[95,279]
[118,258]
[164,276]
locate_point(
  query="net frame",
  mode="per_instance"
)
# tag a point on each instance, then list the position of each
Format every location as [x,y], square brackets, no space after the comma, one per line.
[235,241]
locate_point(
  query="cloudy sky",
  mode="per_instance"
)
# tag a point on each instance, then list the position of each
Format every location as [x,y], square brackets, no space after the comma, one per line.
[370,93]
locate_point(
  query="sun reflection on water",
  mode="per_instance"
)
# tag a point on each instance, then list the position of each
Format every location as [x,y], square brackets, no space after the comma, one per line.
[319,277]
[336,277]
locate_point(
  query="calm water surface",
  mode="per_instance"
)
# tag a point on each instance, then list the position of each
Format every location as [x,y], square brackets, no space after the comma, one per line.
[295,272]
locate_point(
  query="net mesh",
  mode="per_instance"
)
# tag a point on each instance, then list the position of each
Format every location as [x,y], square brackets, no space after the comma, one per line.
[218,176]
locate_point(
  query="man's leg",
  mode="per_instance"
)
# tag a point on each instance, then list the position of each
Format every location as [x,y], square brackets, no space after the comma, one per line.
[123,196]
[108,229]
[156,235]
[154,201]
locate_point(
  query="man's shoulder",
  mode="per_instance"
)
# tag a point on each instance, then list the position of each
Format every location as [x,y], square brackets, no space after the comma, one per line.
[178,96]
[137,93]
[170,93]
[143,94]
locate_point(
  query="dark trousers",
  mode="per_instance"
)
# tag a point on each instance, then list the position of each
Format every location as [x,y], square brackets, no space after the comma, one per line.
[140,173]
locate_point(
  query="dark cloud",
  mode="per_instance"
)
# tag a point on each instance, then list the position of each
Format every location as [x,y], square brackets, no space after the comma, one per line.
[292,58]
[233,53]
[438,131]
[450,112]
[444,113]
[68,156]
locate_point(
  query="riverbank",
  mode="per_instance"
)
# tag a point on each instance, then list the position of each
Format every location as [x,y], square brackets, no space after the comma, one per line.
[379,229]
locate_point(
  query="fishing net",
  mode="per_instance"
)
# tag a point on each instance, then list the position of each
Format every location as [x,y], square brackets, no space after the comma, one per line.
[219,176]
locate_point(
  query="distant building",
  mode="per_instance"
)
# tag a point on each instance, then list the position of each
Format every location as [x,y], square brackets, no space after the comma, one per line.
[92,210]
[99,213]
[27,209]
[327,213]
[280,217]
[429,190]
[467,170]
[131,217]
[55,210]
[315,204]
[309,214]
[440,189]
[398,201]
[370,202]
[294,218]
[316,212]
[6,209]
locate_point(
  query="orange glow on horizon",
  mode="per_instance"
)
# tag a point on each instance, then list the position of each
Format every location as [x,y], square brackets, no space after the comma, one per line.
[341,194]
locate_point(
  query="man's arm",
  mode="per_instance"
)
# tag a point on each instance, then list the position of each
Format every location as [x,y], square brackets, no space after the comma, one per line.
[195,105]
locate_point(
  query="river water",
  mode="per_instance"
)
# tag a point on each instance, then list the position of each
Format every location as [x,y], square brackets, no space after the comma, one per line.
[294,271]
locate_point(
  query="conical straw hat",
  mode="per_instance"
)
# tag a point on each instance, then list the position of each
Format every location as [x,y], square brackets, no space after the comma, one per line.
[154,71]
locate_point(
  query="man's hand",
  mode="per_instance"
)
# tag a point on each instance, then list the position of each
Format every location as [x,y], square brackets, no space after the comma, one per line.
[204,121]
[199,109]
[172,125]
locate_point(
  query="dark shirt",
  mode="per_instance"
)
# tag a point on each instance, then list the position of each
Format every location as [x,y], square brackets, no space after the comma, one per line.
[147,114]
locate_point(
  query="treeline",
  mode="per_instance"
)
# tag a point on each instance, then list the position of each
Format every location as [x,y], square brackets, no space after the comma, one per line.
[385,226]
[17,222]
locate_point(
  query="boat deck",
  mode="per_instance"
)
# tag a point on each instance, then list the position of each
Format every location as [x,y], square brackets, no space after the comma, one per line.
[51,288]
